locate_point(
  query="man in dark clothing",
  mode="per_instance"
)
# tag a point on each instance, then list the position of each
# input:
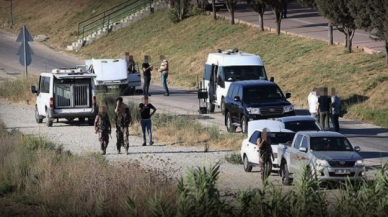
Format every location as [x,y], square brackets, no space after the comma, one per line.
[265,151]
[147,78]
[335,109]
[103,127]
[323,108]
[123,120]
[145,122]
[131,65]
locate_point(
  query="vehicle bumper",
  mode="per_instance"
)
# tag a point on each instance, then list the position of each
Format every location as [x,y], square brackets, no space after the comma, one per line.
[329,173]
[260,117]
[72,113]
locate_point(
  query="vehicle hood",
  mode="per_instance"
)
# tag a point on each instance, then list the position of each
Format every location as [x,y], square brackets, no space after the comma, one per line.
[336,155]
[267,103]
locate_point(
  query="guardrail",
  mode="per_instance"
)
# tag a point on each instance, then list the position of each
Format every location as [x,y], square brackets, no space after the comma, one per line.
[112,15]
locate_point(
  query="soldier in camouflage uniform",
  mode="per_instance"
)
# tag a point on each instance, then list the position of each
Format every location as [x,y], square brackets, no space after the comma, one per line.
[123,120]
[265,151]
[102,126]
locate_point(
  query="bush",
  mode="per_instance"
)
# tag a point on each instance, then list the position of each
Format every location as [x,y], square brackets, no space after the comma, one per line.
[180,11]
[234,158]
[19,90]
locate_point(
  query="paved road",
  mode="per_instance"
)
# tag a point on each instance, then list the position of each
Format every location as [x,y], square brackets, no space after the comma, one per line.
[303,21]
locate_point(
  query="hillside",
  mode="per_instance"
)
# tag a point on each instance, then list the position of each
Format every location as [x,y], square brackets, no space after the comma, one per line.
[298,64]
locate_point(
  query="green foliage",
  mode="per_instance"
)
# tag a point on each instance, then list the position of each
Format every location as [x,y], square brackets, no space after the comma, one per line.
[234,158]
[182,10]
[130,206]
[6,188]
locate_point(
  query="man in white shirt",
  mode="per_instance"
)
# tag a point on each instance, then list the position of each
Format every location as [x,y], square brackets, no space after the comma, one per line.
[313,100]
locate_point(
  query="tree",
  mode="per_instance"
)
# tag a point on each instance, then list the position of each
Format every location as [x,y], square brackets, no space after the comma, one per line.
[214,9]
[231,5]
[277,7]
[372,15]
[338,13]
[258,6]
[312,4]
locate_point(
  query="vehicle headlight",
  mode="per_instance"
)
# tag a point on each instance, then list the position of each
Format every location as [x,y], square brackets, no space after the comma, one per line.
[252,111]
[322,163]
[359,163]
[288,108]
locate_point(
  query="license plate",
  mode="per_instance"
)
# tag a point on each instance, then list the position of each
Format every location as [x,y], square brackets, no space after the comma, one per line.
[342,172]
[113,87]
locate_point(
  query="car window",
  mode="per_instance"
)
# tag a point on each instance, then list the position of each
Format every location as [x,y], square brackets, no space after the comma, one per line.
[330,144]
[235,91]
[45,84]
[233,73]
[304,143]
[254,137]
[41,82]
[302,126]
[230,91]
[298,141]
[262,93]
[283,138]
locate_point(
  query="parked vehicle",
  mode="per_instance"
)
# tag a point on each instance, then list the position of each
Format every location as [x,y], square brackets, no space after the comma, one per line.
[329,155]
[113,74]
[65,93]
[249,150]
[254,100]
[299,123]
[224,68]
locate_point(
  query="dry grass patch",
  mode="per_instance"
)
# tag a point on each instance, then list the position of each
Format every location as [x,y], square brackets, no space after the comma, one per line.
[19,89]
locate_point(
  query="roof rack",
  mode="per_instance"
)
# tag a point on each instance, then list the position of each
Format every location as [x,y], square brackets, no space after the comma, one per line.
[67,71]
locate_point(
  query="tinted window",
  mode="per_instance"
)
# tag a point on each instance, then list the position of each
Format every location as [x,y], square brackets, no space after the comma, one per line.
[45,84]
[277,138]
[298,141]
[235,91]
[254,137]
[330,144]
[304,143]
[233,73]
[263,93]
[302,126]
[230,91]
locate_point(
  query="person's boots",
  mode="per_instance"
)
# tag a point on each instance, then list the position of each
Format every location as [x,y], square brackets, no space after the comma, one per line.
[104,151]
[126,151]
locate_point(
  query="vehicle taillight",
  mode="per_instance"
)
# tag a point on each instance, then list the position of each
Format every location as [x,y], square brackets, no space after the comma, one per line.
[94,101]
[51,102]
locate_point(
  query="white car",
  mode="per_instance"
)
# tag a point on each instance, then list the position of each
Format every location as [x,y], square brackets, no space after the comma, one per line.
[299,123]
[65,93]
[249,149]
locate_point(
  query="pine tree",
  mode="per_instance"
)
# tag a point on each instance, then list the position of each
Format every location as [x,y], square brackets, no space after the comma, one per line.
[338,13]
[258,6]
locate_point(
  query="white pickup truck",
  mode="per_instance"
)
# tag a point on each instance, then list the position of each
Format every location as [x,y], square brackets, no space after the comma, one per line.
[329,155]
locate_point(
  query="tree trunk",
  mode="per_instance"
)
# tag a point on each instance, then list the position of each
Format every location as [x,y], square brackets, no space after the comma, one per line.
[386,52]
[346,33]
[171,4]
[349,44]
[261,20]
[330,33]
[231,11]
[214,9]
[278,14]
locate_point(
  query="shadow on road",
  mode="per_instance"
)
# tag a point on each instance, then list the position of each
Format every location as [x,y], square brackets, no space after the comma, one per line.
[177,152]
[364,132]
[372,154]
[312,25]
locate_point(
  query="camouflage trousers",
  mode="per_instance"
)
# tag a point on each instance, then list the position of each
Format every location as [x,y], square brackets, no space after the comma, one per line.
[122,134]
[103,137]
[263,173]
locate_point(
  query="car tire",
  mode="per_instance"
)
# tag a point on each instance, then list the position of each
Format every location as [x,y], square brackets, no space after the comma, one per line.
[247,167]
[244,125]
[90,121]
[81,119]
[285,174]
[229,124]
[49,122]
[223,106]
[38,119]
[210,107]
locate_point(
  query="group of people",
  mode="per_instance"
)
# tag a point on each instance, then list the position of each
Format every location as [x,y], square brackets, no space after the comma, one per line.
[123,119]
[324,107]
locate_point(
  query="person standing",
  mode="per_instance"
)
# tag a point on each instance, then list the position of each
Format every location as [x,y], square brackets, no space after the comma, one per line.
[164,71]
[145,119]
[103,127]
[335,109]
[312,100]
[265,152]
[119,136]
[123,120]
[147,78]
[323,107]
[285,10]
[131,65]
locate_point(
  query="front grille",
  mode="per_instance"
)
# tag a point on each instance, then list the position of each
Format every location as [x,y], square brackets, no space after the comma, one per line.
[276,110]
[332,174]
[81,95]
[342,163]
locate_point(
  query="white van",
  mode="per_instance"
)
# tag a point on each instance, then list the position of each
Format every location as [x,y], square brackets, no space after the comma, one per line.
[113,74]
[65,93]
[222,68]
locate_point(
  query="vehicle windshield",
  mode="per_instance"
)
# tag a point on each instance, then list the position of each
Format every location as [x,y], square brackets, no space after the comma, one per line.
[262,93]
[241,73]
[282,137]
[330,144]
[302,126]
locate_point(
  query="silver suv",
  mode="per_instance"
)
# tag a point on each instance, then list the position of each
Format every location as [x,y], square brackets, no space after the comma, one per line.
[65,93]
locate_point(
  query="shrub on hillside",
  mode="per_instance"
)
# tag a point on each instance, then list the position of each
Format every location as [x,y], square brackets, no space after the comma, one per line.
[181,11]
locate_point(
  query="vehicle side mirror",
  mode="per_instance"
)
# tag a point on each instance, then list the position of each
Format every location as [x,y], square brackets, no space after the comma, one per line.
[237,99]
[271,79]
[357,148]
[288,95]
[33,89]
[302,149]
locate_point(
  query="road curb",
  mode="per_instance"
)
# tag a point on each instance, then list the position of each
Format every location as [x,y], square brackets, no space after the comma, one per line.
[238,21]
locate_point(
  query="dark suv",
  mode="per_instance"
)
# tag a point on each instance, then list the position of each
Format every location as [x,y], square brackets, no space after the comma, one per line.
[253,100]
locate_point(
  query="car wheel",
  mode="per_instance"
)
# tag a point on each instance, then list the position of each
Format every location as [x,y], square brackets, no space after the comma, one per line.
[81,119]
[244,125]
[211,107]
[38,119]
[90,121]
[285,174]
[223,106]
[229,124]
[49,121]
[247,167]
